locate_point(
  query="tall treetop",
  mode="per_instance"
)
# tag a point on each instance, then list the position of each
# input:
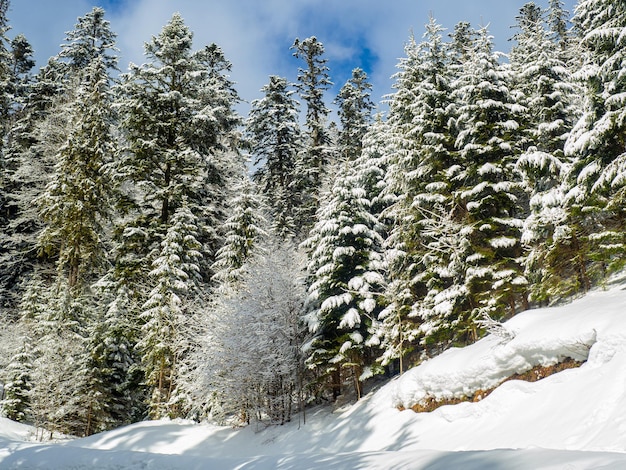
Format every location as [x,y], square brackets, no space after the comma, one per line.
[91,37]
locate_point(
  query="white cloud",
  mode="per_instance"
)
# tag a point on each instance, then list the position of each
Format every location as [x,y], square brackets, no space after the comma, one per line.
[256,34]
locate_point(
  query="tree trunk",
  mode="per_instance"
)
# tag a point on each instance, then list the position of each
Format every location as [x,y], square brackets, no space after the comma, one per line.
[336,383]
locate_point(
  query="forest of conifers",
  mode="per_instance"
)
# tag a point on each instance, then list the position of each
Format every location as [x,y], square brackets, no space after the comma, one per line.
[163,256]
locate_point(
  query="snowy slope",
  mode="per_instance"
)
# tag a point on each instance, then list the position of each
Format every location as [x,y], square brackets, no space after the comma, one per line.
[575,419]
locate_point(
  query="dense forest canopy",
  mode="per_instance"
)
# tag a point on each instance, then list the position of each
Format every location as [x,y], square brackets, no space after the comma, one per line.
[162,255]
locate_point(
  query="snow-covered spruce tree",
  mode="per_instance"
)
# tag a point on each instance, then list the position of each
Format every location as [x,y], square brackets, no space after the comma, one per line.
[593,243]
[399,150]
[178,120]
[544,87]
[558,25]
[15,65]
[22,63]
[40,130]
[251,361]
[115,351]
[76,133]
[56,319]
[16,402]
[91,38]
[393,332]
[169,310]
[243,231]
[426,279]
[344,277]
[487,194]
[462,41]
[35,139]
[315,158]
[75,205]
[179,125]
[355,114]
[13,261]
[16,355]
[6,81]
[273,128]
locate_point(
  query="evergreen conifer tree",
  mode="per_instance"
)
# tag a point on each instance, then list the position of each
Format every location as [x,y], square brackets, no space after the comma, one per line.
[558,26]
[314,160]
[91,38]
[13,260]
[244,230]
[593,242]
[355,114]
[6,72]
[76,203]
[168,310]
[16,403]
[274,130]
[426,278]
[344,278]
[545,89]
[486,191]
[178,120]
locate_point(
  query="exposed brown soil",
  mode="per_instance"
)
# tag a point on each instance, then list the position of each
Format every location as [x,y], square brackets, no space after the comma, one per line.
[533,375]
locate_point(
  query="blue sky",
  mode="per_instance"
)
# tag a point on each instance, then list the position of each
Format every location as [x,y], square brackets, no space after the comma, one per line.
[256,34]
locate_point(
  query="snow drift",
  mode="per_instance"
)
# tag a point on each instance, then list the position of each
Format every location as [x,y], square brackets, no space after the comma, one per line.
[575,419]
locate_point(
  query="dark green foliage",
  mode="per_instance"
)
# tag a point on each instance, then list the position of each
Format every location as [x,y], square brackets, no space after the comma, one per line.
[317,155]
[355,114]
[276,141]
[344,280]
[593,241]
[76,204]
[243,231]
[16,403]
[178,120]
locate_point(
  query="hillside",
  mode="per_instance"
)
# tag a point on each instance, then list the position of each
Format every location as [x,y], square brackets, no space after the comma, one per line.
[575,419]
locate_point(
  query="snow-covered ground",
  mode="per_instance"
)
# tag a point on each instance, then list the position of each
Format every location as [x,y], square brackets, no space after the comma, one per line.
[575,419]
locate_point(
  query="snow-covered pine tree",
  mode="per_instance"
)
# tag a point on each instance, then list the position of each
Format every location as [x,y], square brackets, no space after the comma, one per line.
[22,63]
[35,138]
[355,114]
[344,277]
[179,124]
[399,150]
[394,332]
[487,193]
[76,203]
[544,87]
[594,241]
[426,279]
[314,160]
[16,402]
[6,72]
[41,130]
[168,312]
[91,38]
[276,141]
[558,26]
[13,262]
[56,320]
[178,120]
[243,231]
[462,41]
[113,353]
[91,396]
[220,142]
[65,130]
